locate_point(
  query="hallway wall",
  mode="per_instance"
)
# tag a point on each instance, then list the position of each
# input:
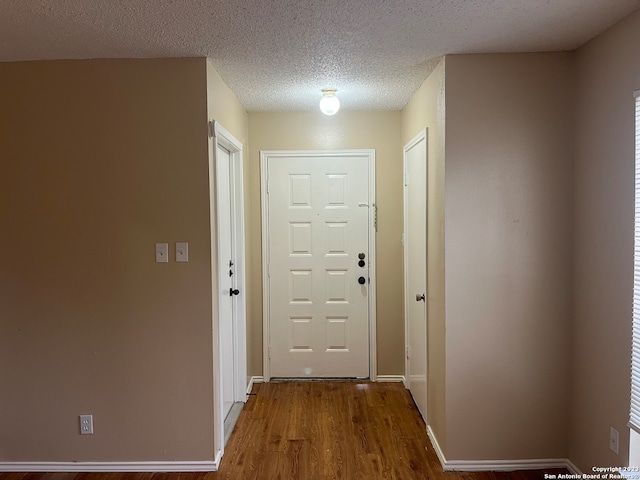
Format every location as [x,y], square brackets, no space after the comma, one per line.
[608,73]
[100,160]
[427,109]
[315,131]
[508,243]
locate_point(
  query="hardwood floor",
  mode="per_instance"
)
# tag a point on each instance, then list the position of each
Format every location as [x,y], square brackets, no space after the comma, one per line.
[321,431]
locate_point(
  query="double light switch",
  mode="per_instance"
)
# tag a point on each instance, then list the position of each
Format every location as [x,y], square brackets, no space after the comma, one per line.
[162,252]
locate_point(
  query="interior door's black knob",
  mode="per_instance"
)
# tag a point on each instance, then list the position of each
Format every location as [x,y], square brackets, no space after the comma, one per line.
[234,291]
[361,263]
[362,280]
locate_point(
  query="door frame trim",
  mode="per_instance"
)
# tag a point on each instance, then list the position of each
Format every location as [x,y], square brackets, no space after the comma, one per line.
[421,136]
[220,136]
[265,156]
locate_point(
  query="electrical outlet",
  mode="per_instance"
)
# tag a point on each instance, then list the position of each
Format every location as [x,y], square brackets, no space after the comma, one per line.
[613,440]
[86,424]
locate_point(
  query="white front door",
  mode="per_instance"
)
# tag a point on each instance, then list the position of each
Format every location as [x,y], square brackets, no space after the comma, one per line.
[225,279]
[318,265]
[415,263]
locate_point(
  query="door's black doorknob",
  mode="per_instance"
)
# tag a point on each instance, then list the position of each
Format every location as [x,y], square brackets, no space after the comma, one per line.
[362,280]
[361,263]
[234,291]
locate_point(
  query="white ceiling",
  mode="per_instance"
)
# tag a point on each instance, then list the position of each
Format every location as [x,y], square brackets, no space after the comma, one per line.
[277,54]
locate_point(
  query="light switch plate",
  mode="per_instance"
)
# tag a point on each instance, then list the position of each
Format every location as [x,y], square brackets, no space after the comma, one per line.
[162,252]
[182,252]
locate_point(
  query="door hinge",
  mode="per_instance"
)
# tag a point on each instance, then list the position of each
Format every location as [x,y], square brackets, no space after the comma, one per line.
[408,352]
[269,352]
[212,129]
[375,216]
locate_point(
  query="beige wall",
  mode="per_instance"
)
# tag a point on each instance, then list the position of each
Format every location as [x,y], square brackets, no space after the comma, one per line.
[312,130]
[427,110]
[224,108]
[103,158]
[608,72]
[508,221]
[100,160]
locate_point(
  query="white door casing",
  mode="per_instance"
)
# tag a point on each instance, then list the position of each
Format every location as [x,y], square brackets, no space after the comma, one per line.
[227,235]
[226,285]
[318,216]
[415,268]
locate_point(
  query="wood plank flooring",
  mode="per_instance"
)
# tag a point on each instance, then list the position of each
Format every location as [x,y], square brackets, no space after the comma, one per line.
[321,431]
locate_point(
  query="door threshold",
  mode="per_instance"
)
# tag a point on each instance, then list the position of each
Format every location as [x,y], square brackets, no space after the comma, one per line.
[319,379]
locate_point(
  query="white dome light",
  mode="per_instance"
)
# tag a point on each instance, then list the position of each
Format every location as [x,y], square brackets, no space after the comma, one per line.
[329,103]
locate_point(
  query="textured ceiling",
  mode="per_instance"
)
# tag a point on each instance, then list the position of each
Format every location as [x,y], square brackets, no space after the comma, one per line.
[277,54]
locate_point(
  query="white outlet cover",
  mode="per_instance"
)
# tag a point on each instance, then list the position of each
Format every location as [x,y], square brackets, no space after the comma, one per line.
[182,252]
[162,253]
[86,424]
[614,439]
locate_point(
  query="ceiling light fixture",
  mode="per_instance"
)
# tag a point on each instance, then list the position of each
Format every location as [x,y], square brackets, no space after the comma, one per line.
[329,103]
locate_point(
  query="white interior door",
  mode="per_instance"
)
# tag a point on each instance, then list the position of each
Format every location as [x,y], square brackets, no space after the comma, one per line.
[318,265]
[226,280]
[415,263]
[228,326]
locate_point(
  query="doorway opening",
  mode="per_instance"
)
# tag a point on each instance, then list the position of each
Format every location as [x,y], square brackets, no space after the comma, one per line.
[415,269]
[228,281]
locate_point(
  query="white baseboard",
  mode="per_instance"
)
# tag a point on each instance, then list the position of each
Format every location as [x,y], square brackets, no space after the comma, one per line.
[216,462]
[252,380]
[390,378]
[498,465]
[436,446]
[572,468]
[378,378]
[505,465]
[208,466]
